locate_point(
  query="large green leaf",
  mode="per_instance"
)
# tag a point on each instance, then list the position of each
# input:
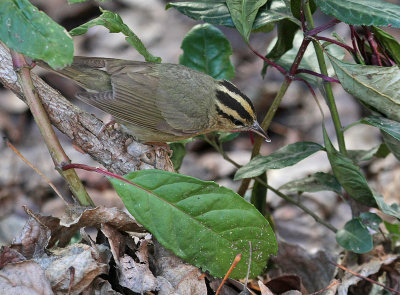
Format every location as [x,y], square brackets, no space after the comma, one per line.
[243,13]
[201,222]
[389,126]
[355,237]
[362,12]
[284,157]
[31,32]
[113,22]
[378,87]
[393,209]
[392,143]
[211,11]
[216,12]
[348,174]
[316,182]
[389,43]
[206,49]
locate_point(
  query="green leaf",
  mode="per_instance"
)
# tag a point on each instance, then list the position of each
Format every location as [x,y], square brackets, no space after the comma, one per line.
[201,222]
[394,231]
[284,41]
[273,12]
[357,156]
[316,182]
[216,12]
[284,157]
[389,43]
[113,22]
[206,49]
[178,153]
[371,220]
[362,12]
[211,11]
[227,136]
[355,237]
[389,126]
[243,14]
[375,86]
[259,195]
[348,174]
[392,143]
[80,1]
[31,32]
[393,209]
[295,7]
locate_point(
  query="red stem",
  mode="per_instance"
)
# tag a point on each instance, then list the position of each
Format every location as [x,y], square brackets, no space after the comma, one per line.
[372,43]
[271,63]
[326,78]
[345,46]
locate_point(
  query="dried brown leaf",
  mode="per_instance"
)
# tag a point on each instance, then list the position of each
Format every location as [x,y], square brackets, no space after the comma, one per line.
[24,278]
[100,287]
[33,238]
[365,269]
[136,276]
[181,277]
[79,217]
[264,289]
[9,255]
[87,263]
[116,240]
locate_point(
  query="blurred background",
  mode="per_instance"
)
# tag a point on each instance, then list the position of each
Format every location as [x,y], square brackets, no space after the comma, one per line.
[162,32]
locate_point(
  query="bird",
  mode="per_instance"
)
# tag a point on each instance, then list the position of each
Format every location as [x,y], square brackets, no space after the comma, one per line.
[160,102]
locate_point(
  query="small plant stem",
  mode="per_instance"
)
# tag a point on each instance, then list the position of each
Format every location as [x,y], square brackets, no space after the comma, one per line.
[56,151]
[330,40]
[300,205]
[325,78]
[327,85]
[317,30]
[373,45]
[265,124]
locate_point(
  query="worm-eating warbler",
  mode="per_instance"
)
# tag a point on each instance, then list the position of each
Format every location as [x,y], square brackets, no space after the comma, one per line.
[161,102]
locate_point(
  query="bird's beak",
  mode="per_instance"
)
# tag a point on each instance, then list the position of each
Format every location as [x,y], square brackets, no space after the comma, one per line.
[257,129]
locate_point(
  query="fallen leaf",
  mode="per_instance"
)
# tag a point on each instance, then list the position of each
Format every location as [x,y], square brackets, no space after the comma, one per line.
[87,263]
[24,278]
[9,255]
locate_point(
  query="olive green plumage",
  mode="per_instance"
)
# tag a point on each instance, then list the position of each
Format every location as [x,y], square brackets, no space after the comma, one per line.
[161,102]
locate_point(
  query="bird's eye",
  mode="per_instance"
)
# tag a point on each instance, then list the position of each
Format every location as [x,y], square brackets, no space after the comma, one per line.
[238,123]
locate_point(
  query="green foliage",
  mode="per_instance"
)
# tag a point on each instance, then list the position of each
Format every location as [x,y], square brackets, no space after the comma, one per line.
[316,182]
[389,42]
[201,222]
[178,153]
[206,49]
[348,174]
[355,237]
[284,157]
[362,12]
[113,22]
[375,86]
[371,220]
[31,32]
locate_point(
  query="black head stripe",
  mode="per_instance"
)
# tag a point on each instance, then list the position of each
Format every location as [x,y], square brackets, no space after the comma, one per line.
[227,116]
[233,104]
[233,89]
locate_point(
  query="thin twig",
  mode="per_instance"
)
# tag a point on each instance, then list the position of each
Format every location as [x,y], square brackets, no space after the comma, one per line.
[271,63]
[234,263]
[42,120]
[322,28]
[330,40]
[48,181]
[325,78]
[364,278]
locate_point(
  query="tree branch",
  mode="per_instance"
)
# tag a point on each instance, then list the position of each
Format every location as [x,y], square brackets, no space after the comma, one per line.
[116,151]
